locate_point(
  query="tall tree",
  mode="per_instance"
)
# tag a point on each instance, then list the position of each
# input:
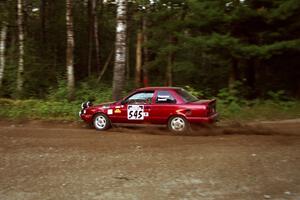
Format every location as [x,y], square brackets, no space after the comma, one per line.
[169,69]
[3,34]
[43,19]
[138,57]
[141,75]
[70,50]
[20,77]
[145,53]
[120,50]
[96,34]
[93,36]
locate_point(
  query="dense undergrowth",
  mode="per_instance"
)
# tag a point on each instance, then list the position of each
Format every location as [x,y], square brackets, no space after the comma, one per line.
[230,105]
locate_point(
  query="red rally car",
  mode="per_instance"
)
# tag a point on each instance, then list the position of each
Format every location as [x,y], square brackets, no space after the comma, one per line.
[172,106]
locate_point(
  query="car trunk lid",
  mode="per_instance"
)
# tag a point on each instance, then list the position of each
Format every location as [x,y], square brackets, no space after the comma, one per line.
[210,103]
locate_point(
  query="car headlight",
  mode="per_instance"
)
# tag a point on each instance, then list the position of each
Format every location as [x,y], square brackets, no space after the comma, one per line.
[82,112]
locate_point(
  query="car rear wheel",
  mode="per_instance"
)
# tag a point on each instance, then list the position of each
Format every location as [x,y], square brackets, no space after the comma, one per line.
[101,122]
[178,124]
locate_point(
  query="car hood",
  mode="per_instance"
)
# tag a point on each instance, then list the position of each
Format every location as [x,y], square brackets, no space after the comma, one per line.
[106,104]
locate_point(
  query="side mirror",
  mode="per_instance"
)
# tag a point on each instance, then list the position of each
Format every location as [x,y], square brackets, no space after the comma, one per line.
[123,102]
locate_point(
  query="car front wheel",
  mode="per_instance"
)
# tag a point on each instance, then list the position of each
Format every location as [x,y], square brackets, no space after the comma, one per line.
[101,122]
[178,124]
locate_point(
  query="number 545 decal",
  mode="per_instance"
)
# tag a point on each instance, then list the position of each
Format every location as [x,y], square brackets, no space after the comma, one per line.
[135,112]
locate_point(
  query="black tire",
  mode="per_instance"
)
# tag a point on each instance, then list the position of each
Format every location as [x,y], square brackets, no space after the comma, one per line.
[178,125]
[101,122]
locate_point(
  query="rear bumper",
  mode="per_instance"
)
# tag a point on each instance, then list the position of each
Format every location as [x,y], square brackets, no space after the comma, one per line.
[210,119]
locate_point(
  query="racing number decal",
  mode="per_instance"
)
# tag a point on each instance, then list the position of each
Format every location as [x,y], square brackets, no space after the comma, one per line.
[135,112]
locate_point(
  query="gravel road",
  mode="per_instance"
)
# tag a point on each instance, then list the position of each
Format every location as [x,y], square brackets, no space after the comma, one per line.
[50,160]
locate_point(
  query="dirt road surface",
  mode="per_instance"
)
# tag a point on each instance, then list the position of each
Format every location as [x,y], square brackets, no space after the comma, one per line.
[40,160]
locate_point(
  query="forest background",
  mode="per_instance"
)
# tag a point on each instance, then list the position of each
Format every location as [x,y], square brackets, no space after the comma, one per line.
[54,54]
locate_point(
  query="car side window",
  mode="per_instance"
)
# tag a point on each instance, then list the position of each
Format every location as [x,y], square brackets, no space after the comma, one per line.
[144,97]
[164,97]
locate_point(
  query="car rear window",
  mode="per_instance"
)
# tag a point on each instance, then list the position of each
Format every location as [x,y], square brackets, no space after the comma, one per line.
[187,97]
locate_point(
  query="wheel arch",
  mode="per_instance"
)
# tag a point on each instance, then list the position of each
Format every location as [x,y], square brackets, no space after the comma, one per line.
[176,115]
[101,112]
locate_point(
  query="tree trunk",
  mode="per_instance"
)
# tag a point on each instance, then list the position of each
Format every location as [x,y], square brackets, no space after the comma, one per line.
[251,79]
[128,39]
[170,62]
[96,33]
[43,20]
[233,74]
[298,89]
[145,52]
[138,64]
[70,50]
[2,51]
[127,70]
[93,36]
[120,50]
[91,33]
[21,48]
[169,80]
[105,66]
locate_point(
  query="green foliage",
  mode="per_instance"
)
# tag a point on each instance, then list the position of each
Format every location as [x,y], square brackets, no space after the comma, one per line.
[232,106]
[58,93]
[93,91]
[268,110]
[228,102]
[233,94]
[205,39]
[38,109]
[193,91]
[56,105]
[89,90]
[277,96]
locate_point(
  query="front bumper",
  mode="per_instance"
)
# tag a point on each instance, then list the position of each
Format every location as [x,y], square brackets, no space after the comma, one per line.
[87,118]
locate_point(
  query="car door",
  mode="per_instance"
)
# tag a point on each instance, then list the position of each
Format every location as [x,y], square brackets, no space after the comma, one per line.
[137,107]
[164,105]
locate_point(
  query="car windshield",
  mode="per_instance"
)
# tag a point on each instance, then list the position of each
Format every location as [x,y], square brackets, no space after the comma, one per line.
[187,97]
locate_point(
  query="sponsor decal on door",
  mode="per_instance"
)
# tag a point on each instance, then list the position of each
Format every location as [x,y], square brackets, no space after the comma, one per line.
[135,112]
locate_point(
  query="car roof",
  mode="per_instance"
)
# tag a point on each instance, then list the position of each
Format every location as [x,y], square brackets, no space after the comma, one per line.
[157,88]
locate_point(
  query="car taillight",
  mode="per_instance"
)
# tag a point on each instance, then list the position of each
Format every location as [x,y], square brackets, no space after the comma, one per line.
[211,109]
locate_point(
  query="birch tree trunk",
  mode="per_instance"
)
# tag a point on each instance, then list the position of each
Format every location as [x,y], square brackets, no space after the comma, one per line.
[2,51]
[70,50]
[21,48]
[120,50]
